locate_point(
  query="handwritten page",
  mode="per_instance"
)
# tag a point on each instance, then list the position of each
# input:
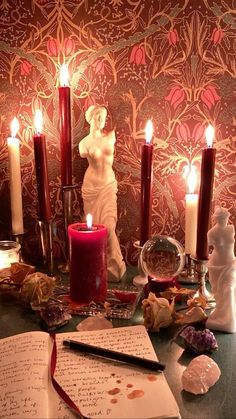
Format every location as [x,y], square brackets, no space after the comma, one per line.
[24,361]
[107,389]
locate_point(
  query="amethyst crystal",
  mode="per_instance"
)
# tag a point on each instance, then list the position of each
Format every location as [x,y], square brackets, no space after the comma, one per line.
[199,341]
[54,316]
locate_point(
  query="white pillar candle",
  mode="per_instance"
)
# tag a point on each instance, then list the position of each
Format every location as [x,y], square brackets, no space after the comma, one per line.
[15,180]
[191,210]
[191,223]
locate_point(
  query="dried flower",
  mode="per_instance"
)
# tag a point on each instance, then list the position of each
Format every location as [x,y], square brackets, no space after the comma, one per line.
[157,312]
[37,288]
[193,315]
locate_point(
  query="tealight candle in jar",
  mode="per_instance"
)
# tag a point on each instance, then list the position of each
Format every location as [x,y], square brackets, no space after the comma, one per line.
[9,253]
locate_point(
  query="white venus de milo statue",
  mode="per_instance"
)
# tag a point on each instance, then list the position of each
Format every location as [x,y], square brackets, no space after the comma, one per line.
[222,273]
[99,189]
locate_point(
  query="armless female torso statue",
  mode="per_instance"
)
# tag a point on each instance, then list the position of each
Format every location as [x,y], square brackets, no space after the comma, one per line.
[222,273]
[99,189]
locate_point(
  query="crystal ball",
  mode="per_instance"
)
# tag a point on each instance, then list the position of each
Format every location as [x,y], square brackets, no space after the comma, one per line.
[162,258]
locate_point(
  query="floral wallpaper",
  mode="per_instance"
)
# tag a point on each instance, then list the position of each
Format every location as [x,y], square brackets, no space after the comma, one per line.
[171,61]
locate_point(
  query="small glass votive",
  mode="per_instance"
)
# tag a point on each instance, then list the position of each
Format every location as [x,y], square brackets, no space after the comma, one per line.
[9,253]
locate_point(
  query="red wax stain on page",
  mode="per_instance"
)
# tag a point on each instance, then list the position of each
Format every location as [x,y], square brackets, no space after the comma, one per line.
[152,377]
[118,381]
[114,401]
[114,391]
[129,385]
[135,394]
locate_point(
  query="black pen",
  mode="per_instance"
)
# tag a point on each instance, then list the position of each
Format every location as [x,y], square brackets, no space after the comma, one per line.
[116,356]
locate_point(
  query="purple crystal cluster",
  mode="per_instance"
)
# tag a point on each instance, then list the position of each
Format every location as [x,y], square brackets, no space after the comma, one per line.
[199,341]
[54,316]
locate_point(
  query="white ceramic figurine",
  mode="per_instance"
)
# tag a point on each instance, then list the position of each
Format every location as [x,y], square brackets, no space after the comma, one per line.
[99,189]
[222,273]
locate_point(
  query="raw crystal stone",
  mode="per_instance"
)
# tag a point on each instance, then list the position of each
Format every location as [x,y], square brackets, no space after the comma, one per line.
[54,316]
[201,374]
[94,323]
[199,341]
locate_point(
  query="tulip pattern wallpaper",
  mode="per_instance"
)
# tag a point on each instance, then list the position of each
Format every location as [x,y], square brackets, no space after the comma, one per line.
[171,61]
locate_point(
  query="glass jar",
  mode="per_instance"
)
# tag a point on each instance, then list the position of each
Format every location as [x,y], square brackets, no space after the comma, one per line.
[9,253]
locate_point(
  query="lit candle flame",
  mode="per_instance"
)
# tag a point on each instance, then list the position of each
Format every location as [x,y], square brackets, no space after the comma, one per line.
[14,127]
[148,131]
[38,121]
[89,220]
[210,134]
[192,179]
[190,174]
[64,76]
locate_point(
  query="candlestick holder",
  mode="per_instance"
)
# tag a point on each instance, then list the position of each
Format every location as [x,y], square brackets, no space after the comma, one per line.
[45,228]
[200,269]
[187,276]
[68,219]
[141,279]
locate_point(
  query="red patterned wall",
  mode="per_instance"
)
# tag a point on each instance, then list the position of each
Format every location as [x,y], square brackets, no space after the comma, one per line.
[171,61]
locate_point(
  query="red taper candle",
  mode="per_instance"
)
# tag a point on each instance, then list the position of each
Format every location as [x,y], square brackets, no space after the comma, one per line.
[41,168]
[65,128]
[88,262]
[205,195]
[146,185]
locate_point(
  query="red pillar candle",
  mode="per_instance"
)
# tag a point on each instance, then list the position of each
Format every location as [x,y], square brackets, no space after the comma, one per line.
[88,262]
[41,168]
[65,128]
[205,195]
[146,185]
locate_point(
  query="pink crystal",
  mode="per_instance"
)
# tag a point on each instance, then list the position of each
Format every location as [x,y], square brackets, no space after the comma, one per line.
[201,374]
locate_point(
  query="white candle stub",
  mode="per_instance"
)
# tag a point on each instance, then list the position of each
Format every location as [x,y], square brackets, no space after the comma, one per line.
[191,200]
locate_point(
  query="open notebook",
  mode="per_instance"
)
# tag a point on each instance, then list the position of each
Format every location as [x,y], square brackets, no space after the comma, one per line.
[99,388]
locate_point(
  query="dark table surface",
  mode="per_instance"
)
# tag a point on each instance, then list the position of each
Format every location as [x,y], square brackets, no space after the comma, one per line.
[219,402]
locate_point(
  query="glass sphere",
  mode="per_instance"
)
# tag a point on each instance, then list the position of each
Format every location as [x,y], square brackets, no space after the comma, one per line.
[162,258]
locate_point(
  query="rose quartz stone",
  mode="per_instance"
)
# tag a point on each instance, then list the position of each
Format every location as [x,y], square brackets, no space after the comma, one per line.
[94,323]
[201,374]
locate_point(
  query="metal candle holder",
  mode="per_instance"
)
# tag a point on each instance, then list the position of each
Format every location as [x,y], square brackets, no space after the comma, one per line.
[68,219]
[187,276]
[200,268]
[141,279]
[45,228]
